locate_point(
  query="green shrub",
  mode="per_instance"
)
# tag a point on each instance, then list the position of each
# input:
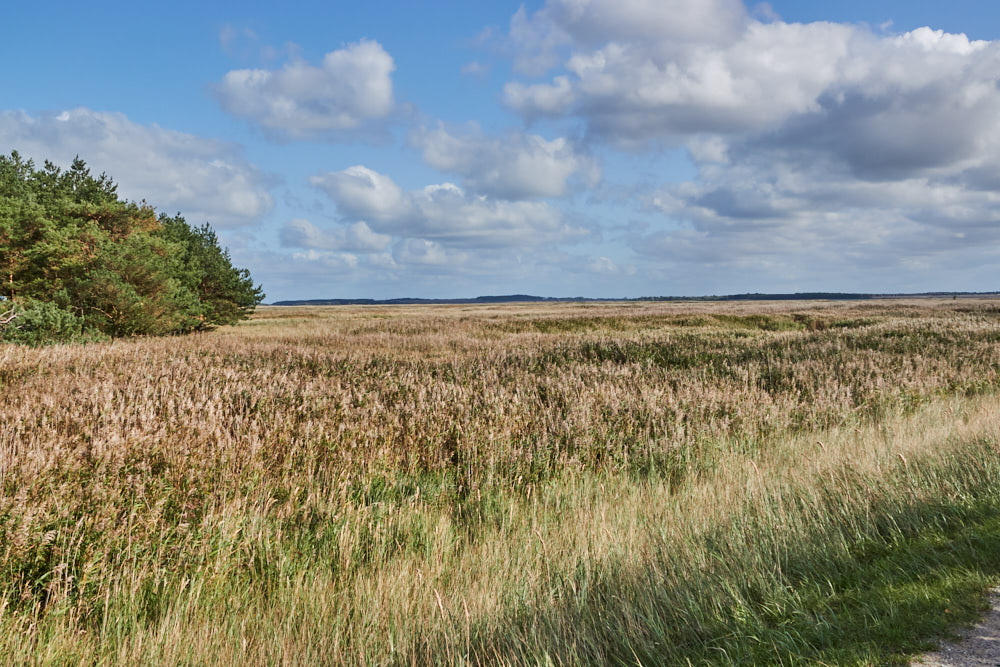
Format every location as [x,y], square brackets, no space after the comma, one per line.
[42,323]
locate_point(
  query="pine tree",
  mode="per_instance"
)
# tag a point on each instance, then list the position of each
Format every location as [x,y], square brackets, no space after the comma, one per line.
[77,261]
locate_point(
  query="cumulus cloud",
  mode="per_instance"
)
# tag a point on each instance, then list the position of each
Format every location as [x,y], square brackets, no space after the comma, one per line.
[896,169]
[326,261]
[363,193]
[637,91]
[426,253]
[205,179]
[816,145]
[676,21]
[350,87]
[785,208]
[653,75]
[539,39]
[358,237]
[515,166]
[540,99]
[442,213]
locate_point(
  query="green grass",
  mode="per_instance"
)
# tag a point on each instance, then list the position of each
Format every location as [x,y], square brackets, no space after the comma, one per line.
[869,585]
[877,606]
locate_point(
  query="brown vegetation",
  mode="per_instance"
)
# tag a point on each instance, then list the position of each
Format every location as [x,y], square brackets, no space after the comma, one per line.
[386,484]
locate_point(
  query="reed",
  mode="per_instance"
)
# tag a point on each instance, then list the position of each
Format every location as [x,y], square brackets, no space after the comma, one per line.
[595,483]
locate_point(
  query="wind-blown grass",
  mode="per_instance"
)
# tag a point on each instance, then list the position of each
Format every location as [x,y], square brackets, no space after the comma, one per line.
[659,483]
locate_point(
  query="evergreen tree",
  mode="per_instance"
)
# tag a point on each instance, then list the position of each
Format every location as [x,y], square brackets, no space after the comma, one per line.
[77,261]
[227,294]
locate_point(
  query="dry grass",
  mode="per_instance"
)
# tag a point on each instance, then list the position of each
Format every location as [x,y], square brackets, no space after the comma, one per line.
[575,483]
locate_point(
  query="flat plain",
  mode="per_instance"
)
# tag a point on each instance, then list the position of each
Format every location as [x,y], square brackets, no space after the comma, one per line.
[598,483]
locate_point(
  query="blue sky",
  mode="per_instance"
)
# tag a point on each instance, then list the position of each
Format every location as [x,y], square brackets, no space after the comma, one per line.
[559,147]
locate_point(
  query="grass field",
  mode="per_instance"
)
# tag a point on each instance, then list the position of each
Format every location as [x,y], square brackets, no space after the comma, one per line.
[765,483]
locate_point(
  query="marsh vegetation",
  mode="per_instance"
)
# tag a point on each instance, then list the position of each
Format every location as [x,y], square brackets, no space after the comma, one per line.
[714,483]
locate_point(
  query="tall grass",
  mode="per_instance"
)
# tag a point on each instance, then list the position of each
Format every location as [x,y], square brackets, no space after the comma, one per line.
[574,484]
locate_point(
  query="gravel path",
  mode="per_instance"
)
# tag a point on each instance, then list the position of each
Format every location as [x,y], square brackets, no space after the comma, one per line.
[978,647]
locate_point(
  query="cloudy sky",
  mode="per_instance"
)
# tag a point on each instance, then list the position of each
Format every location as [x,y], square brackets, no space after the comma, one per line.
[559,147]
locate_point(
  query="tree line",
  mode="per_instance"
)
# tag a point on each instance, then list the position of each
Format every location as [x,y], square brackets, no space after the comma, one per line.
[77,262]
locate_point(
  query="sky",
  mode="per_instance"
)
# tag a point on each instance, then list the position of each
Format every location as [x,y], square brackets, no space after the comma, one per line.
[602,148]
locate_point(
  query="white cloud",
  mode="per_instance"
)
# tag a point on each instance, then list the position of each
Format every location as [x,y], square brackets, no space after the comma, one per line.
[204,179]
[540,99]
[632,92]
[350,87]
[428,253]
[677,21]
[819,147]
[362,193]
[779,208]
[475,68]
[357,237]
[938,41]
[899,167]
[515,166]
[658,74]
[765,12]
[443,213]
[537,42]
[602,265]
[708,148]
[411,267]
[330,262]
[540,39]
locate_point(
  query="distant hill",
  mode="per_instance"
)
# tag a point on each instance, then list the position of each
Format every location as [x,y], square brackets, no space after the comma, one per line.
[527,298]
[510,298]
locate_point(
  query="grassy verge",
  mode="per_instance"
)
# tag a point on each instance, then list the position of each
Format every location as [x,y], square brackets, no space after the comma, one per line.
[858,552]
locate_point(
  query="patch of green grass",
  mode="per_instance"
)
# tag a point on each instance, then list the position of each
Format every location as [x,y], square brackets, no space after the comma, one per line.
[867,585]
[885,602]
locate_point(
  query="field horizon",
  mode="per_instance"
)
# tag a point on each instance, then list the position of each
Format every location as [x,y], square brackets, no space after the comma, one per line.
[529,298]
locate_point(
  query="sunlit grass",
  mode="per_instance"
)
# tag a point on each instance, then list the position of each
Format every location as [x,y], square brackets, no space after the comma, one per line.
[602,484]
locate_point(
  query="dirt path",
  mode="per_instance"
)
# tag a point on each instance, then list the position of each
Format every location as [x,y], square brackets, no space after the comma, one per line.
[979,646]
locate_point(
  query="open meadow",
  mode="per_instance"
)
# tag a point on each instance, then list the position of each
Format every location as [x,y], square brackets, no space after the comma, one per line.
[599,483]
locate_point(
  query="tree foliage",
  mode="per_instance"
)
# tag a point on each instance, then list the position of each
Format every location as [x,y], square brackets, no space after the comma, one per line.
[78,262]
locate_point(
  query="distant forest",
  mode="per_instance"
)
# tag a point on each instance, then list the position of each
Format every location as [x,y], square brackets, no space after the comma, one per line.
[527,298]
[79,263]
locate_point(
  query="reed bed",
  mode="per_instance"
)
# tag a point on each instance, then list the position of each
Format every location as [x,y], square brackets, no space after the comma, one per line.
[564,484]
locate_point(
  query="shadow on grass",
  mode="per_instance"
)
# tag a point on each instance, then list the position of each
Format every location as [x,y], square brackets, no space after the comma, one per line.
[875,603]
